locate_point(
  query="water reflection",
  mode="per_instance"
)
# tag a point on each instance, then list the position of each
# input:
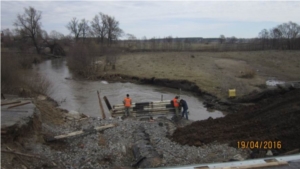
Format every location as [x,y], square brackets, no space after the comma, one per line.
[82,96]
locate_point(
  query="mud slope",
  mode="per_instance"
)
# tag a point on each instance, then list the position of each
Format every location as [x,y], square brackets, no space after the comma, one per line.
[276,118]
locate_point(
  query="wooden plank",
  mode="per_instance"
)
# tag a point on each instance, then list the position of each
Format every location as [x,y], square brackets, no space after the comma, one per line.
[22,154]
[146,114]
[21,104]
[75,133]
[107,103]
[202,167]
[101,106]
[152,102]
[145,111]
[8,103]
[144,108]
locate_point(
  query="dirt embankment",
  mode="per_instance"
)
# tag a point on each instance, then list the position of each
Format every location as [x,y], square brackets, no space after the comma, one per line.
[274,118]
[18,143]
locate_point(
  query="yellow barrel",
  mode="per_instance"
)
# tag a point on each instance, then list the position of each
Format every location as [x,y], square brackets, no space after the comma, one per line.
[232,92]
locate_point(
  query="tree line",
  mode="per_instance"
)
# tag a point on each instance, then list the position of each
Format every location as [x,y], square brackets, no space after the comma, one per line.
[104,29]
[28,31]
[284,36]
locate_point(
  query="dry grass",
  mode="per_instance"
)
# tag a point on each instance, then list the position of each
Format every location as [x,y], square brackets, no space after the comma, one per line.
[36,83]
[214,72]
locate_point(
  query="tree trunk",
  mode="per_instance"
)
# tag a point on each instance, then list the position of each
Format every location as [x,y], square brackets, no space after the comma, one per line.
[36,46]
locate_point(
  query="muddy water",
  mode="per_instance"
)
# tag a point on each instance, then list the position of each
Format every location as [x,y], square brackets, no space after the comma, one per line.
[82,96]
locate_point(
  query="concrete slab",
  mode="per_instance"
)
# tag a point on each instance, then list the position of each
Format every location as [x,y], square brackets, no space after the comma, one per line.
[16,116]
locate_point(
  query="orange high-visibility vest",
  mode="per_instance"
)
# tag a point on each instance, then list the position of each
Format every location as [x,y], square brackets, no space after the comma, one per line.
[127,102]
[176,104]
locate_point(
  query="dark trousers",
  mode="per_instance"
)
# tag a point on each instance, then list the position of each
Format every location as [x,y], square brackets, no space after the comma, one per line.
[127,111]
[185,112]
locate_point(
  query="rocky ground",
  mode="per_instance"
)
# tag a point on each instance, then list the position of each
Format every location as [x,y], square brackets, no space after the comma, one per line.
[111,148]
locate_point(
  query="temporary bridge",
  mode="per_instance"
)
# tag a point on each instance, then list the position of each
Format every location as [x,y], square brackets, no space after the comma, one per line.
[142,109]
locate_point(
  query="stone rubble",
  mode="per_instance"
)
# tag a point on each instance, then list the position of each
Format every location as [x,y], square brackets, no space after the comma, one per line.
[113,147]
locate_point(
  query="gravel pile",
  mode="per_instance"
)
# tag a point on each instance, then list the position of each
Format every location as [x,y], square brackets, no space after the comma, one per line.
[113,147]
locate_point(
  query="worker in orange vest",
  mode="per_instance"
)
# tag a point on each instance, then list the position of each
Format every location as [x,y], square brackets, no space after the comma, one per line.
[127,103]
[175,102]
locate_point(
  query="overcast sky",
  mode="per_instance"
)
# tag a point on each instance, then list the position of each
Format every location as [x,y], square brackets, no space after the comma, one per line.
[242,19]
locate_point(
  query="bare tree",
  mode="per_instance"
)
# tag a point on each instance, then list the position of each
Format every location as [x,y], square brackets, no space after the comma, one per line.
[75,28]
[56,35]
[43,34]
[233,39]
[113,30]
[169,40]
[7,38]
[29,25]
[289,31]
[85,28]
[275,36]
[222,39]
[264,36]
[144,42]
[132,41]
[187,44]
[178,43]
[153,43]
[99,26]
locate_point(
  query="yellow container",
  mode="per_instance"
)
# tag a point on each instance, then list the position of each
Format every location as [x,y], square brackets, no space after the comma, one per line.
[232,92]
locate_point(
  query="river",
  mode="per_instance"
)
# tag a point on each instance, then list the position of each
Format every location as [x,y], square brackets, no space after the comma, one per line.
[81,96]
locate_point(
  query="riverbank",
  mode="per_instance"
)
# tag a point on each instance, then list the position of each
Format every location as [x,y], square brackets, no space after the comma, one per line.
[211,72]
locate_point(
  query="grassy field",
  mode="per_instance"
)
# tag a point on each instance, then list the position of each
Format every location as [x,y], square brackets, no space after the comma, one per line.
[214,72]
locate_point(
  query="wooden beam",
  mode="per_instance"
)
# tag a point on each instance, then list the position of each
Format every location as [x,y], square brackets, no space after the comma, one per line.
[75,133]
[101,107]
[22,154]
[21,104]
[150,103]
[108,105]
[3,104]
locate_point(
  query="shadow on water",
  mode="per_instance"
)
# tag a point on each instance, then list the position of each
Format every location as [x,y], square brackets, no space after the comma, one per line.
[82,96]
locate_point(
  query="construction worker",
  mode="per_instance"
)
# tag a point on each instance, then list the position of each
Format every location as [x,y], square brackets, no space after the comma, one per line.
[175,103]
[127,103]
[185,108]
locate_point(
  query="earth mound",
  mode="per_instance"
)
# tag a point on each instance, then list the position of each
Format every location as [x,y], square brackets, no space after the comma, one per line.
[274,119]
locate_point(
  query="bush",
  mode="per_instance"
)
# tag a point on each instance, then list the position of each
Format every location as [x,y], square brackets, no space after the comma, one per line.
[248,74]
[82,60]
[36,83]
[10,72]
[16,75]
